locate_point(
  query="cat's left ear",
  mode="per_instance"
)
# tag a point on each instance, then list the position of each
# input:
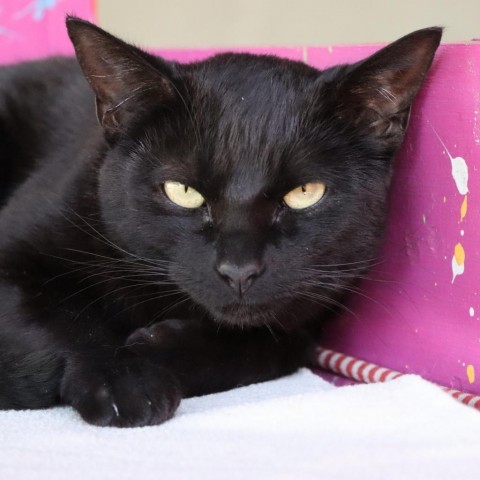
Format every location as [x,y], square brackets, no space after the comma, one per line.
[124,78]
[378,92]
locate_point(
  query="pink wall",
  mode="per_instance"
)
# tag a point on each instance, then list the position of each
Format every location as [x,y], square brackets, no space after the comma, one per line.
[424,312]
[35,28]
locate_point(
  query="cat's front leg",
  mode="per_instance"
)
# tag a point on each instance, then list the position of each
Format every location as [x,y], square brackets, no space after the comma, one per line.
[206,358]
[50,356]
[120,390]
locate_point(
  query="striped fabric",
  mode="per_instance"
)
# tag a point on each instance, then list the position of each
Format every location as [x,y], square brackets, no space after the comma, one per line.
[366,372]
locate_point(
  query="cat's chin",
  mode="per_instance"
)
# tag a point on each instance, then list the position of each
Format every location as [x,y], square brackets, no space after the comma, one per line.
[246,315]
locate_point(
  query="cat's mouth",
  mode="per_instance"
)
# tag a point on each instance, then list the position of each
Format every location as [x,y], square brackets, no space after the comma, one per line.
[245,314]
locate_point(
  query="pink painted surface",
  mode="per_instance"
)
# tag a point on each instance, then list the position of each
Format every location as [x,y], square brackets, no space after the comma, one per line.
[421,320]
[35,28]
[187,56]
[415,318]
[324,57]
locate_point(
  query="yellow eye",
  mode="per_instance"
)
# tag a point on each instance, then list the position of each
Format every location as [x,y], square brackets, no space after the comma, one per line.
[305,196]
[183,195]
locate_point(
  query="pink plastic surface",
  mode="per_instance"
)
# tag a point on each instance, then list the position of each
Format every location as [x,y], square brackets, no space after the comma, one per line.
[421,311]
[35,28]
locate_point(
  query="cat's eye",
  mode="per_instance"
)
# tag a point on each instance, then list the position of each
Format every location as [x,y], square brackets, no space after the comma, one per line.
[183,195]
[305,195]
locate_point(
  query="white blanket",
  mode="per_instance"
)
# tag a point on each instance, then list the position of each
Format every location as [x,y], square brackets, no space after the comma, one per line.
[298,427]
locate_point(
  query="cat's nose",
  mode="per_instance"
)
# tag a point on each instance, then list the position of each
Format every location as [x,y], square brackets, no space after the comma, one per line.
[239,277]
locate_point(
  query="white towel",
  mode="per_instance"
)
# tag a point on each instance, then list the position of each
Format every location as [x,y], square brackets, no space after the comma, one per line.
[299,427]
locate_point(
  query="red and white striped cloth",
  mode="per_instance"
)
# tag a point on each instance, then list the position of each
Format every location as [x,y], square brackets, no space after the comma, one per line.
[367,372]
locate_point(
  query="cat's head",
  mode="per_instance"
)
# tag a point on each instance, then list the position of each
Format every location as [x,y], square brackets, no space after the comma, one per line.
[260,183]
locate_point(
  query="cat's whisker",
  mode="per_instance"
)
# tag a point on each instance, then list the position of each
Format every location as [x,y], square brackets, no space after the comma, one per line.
[134,263]
[101,297]
[347,273]
[350,289]
[324,301]
[127,276]
[371,276]
[171,307]
[358,265]
[117,290]
[352,278]
[101,282]
[115,272]
[103,239]
[269,328]
[151,297]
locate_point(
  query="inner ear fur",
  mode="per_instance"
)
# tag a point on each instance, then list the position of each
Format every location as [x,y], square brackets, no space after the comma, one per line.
[124,78]
[378,92]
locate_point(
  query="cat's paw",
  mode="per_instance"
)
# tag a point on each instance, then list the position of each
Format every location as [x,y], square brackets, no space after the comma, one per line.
[165,334]
[127,395]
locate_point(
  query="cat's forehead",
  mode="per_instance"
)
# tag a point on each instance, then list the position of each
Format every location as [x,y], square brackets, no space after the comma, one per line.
[244,128]
[249,111]
[233,77]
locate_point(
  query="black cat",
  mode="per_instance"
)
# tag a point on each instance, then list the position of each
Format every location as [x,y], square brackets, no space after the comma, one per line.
[186,244]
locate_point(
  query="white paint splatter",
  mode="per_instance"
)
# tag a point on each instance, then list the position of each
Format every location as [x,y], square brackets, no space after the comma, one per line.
[459,169]
[458,261]
[460,174]
[456,268]
[462,232]
[471,311]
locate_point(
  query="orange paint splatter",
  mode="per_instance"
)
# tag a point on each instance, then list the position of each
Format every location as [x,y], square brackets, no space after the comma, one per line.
[458,261]
[471,373]
[463,209]
[459,254]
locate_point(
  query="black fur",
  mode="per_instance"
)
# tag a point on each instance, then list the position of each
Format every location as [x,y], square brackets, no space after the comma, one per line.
[117,301]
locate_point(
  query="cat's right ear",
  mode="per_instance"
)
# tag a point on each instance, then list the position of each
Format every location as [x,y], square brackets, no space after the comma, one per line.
[123,77]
